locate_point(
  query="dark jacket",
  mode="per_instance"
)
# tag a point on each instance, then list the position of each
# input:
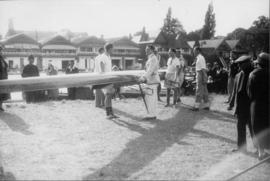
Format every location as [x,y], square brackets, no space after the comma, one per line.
[3,68]
[30,70]
[258,91]
[240,97]
[3,75]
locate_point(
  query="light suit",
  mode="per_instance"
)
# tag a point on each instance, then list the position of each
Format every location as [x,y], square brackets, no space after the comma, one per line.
[152,81]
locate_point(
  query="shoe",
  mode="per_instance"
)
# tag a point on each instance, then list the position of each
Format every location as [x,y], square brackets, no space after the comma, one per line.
[206,108]
[243,150]
[178,100]
[110,116]
[167,105]
[264,156]
[114,116]
[150,118]
[194,109]
[1,109]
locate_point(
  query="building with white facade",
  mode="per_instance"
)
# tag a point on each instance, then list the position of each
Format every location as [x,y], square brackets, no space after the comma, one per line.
[58,51]
[87,50]
[125,53]
[17,48]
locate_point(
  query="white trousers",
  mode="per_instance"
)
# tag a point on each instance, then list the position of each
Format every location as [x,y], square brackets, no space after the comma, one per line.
[151,99]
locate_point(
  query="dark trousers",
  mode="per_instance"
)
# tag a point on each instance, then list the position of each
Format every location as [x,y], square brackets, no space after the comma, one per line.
[72,93]
[242,122]
[158,91]
[175,91]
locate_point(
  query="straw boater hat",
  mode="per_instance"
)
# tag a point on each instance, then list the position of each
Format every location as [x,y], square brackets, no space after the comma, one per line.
[243,59]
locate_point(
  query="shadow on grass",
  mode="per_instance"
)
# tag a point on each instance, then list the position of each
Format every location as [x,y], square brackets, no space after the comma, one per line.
[15,123]
[153,142]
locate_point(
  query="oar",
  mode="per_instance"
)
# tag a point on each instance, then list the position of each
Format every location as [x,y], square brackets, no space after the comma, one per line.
[143,97]
[254,166]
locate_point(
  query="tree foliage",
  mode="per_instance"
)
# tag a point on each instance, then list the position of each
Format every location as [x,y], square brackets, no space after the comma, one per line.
[194,35]
[256,38]
[262,22]
[208,30]
[172,26]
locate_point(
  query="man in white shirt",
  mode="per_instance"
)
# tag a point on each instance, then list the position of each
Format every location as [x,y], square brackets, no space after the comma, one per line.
[201,81]
[171,77]
[106,66]
[99,96]
[151,78]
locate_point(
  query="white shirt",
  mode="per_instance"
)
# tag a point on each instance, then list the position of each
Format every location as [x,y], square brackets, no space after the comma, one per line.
[106,59]
[172,64]
[97,64]
[152,66]
[200,63]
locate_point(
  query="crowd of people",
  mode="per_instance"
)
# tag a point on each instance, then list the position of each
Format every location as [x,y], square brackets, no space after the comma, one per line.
[250,98]
[246,82]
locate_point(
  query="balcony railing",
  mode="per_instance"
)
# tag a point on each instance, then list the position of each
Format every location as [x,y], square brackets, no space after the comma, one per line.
[21,53]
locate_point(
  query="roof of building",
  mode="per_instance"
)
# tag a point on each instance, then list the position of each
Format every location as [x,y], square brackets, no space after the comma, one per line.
[20,38]
[122,42]
[191,43]
[232,43]
[180,42]
[214,43]
[56,40]
[171,41]
[88,41]
[36,35]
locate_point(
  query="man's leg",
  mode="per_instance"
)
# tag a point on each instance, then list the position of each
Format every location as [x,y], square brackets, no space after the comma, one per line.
[205,97]
[98,97]
[158,92]
[199,91]
[108,104]
[168,97]
[175,95]
[241,133]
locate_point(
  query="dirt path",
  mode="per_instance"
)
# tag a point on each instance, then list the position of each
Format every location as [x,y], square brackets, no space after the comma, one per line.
[72,140]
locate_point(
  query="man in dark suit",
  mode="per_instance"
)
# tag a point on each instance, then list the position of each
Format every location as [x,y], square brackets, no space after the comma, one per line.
[72,69]
[241,101]
[31,70]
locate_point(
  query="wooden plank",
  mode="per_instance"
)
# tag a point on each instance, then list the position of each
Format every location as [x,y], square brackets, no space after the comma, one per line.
[71,80]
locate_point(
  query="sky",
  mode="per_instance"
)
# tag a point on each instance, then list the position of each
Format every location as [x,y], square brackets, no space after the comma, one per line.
[115,18]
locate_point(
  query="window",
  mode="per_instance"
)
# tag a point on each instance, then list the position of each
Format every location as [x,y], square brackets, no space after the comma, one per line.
[10,64]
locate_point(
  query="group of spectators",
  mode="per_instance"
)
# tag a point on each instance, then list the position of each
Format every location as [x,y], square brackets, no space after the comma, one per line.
[249,95]
[217,78]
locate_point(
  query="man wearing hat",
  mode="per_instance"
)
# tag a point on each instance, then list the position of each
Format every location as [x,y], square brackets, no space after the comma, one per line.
[241,101]
[257,86]
[233,69]
[31,70]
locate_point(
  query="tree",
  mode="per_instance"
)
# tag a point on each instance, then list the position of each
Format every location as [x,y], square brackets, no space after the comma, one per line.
[194,35]
[172,26]
[208,30]
[256,38]
[262,22]
[143,34]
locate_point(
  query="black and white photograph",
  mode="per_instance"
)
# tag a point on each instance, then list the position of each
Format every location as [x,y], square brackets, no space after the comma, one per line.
[134,90]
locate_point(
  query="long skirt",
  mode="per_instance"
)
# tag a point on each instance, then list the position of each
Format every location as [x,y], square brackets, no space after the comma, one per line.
[150,92]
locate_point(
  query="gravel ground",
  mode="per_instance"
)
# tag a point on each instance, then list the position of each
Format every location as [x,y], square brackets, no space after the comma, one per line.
[71,140]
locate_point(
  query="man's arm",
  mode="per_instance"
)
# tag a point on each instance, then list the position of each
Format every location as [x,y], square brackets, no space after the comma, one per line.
[102,66]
